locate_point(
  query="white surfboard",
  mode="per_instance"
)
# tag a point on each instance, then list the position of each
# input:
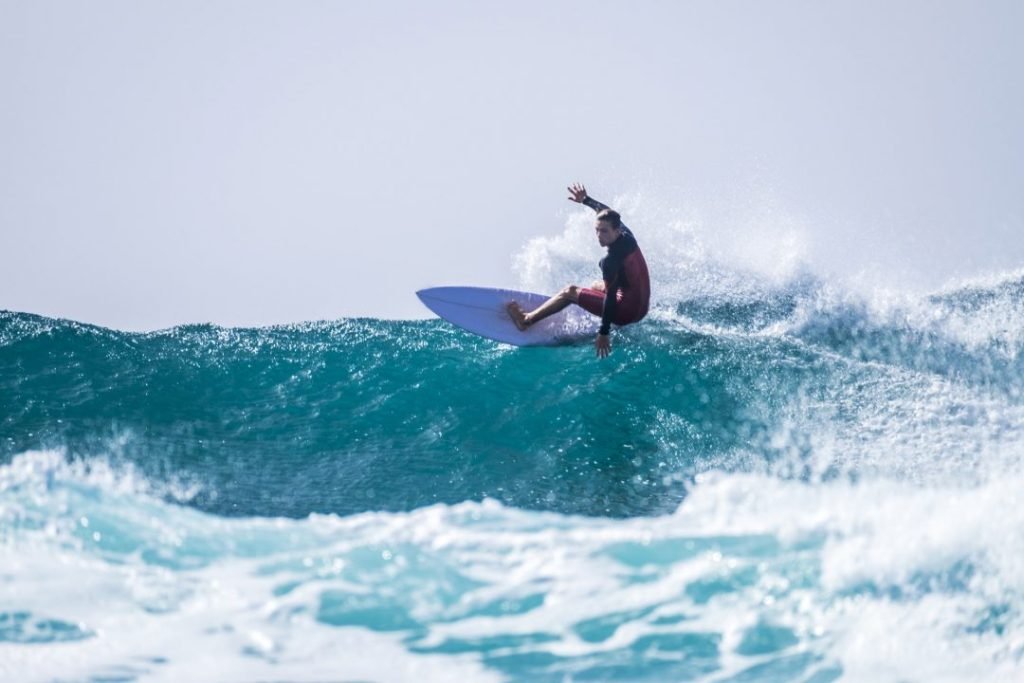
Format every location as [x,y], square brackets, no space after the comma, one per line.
[482,311]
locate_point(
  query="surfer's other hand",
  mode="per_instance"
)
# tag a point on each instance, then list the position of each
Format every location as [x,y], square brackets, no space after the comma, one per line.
[603,345]
[577,193]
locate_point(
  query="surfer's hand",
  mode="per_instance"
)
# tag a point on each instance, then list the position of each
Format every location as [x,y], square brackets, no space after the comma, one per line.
[603,345]
[577,193]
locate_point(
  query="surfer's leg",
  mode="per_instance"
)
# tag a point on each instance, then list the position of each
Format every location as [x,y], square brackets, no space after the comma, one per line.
[591,300]
[567,296]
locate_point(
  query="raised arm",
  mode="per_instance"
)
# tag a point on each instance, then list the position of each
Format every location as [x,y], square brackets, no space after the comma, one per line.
[578,194]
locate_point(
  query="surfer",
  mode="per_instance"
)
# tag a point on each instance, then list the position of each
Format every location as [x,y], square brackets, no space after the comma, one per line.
[623,294]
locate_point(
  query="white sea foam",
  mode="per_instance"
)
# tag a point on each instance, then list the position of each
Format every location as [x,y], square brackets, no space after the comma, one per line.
[881,580]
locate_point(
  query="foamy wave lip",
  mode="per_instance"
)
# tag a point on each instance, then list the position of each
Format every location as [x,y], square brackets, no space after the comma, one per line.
[761,262]
[687,260]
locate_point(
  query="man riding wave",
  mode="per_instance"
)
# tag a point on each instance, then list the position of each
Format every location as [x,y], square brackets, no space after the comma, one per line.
[622,296]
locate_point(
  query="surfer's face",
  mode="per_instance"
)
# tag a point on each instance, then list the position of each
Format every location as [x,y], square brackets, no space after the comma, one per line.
[606,234]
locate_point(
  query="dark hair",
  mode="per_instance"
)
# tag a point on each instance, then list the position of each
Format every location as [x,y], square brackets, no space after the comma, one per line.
[611,216]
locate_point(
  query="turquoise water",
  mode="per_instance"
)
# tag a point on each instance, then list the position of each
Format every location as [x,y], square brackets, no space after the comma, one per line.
[791,482]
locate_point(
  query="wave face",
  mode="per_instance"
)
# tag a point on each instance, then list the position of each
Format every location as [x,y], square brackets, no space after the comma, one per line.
[357,415]
[772,478]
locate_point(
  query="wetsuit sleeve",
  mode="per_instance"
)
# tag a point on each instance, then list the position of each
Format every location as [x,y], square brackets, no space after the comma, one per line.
[610,268]
[610,302]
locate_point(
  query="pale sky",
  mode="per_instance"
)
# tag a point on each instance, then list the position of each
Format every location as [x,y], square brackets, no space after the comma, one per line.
[258,162]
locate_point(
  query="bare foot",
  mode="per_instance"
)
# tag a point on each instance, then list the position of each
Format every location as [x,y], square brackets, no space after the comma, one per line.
[518,317]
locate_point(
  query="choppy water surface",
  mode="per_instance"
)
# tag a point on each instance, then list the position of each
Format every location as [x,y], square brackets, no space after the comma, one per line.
[779,482]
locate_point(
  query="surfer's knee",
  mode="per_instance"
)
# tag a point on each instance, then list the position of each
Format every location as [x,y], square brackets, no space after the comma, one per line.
[570,293]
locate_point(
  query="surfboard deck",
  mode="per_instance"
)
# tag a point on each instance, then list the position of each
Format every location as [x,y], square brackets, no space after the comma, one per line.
[482,311]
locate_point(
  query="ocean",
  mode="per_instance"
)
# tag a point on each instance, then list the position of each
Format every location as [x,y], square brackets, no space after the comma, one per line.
[771,479]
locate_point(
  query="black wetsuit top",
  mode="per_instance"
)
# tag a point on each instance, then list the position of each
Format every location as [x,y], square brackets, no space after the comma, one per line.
[612,272]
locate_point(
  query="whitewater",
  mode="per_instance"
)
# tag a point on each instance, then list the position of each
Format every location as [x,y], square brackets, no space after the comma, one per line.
[778,476]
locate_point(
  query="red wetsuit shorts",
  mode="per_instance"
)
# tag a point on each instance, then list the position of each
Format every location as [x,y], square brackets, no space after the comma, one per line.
[627,310]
